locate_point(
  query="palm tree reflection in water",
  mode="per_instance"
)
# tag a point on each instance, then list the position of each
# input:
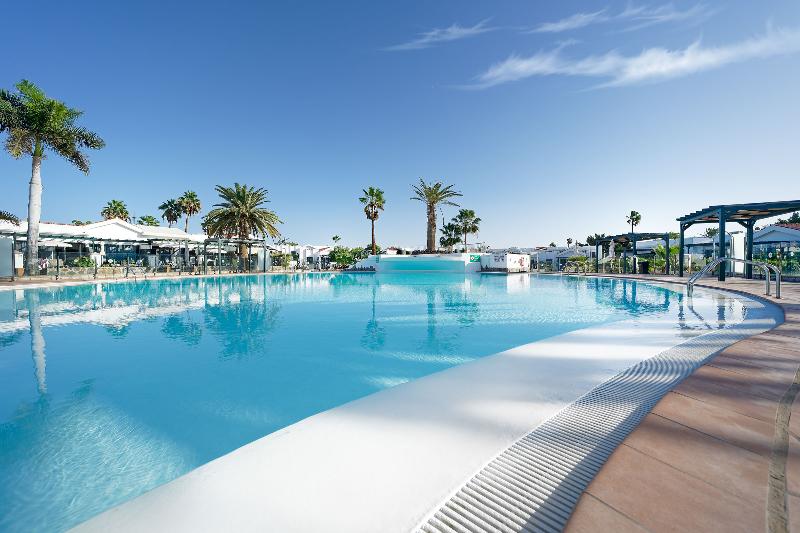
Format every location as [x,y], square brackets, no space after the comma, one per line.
[37,340]
[374,336]
[253,318]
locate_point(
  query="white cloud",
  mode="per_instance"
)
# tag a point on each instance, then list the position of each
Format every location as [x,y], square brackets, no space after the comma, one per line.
[640,16]
[644,16]
[441,35]
[652,64]
[573,22]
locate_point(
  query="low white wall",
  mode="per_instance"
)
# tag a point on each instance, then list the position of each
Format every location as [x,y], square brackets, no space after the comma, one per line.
[506,262]
[423,263]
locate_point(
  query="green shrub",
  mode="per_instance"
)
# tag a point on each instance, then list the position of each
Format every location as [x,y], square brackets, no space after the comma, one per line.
[84,262]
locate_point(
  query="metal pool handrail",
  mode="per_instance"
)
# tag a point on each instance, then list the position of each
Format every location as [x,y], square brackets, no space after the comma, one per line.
[765,267]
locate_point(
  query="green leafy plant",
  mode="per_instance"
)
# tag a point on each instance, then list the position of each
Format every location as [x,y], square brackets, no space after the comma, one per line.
[84,262]
[374,202]
[433,195]
[115,209]
[35,123]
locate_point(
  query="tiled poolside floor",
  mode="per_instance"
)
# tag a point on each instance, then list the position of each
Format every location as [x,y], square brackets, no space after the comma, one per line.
[701,460]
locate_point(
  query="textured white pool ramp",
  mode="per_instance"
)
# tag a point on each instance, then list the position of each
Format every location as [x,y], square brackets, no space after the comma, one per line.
[397,460]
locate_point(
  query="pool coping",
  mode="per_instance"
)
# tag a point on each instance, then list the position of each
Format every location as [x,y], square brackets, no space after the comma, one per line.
[176,508]
[727,456]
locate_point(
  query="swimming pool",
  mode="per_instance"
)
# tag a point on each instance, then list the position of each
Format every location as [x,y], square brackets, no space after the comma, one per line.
[109,390]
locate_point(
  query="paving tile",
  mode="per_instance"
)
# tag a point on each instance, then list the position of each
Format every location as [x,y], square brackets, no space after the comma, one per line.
[662,498]
[740,382]
[776,376]
[767,352]
[788,329]
[793,504]
[731,398]
[773,338]
[737,429]
[727,467]
[592,515]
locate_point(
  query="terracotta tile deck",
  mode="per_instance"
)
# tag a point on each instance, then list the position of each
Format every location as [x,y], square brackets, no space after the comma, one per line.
[700,461]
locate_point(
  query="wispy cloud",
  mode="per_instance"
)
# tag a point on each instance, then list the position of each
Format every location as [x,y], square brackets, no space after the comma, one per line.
[442,35]
[573,22]
[644,16]
[639,16]
[651,65]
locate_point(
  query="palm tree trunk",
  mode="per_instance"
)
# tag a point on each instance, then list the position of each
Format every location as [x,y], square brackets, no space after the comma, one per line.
[186,253]
[431,244]
[34,214]
[373,237]
[465,242]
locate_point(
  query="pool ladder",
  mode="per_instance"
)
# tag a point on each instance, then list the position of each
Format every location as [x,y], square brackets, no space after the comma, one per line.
[765,267]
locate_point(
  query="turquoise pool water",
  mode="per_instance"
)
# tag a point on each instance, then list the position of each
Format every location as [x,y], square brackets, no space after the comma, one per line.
[109,390]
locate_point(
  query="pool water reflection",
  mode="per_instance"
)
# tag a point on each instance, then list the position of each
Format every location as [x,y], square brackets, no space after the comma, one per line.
[109,390]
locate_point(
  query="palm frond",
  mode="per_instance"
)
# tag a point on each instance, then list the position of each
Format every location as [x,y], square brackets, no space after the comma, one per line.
[9,217]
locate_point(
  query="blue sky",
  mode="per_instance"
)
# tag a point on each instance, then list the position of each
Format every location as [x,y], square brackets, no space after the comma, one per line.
[553,118]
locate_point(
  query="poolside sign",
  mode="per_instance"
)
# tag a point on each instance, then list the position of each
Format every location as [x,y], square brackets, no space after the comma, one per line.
[474,258]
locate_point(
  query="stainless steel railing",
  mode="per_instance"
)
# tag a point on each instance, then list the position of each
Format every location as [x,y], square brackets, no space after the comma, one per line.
[765,267]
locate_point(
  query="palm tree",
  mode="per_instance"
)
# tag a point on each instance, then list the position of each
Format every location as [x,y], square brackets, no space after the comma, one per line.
[5,216]
[171,211]
[147,220]
[467,223]
[241,214]
[633,219]
[569,242]
[432,196]
[373,203]
[451,235]
[190,206]
[115,209]
[336,239]
[35,122]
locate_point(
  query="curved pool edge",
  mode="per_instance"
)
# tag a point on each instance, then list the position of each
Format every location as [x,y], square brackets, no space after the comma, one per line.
[536,483]
[383,462]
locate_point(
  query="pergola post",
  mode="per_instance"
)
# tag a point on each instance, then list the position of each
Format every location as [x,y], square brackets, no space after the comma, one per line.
[682,243]
[205,258]
[748,254]
[666,242]
[633,237]
[219,256]
[721,239]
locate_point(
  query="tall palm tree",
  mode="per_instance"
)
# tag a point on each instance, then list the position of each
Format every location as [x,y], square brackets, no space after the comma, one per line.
[190,206]
[451,235]
[147,220]
[241,214]
[433,195]
[5,216]
[633,219]
[467,223]
[115,209]
[34,123]
[336,239]
[373,201]
[171,211]
[569,242]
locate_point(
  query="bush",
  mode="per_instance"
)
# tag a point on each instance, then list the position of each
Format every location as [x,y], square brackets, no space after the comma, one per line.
[84,262]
